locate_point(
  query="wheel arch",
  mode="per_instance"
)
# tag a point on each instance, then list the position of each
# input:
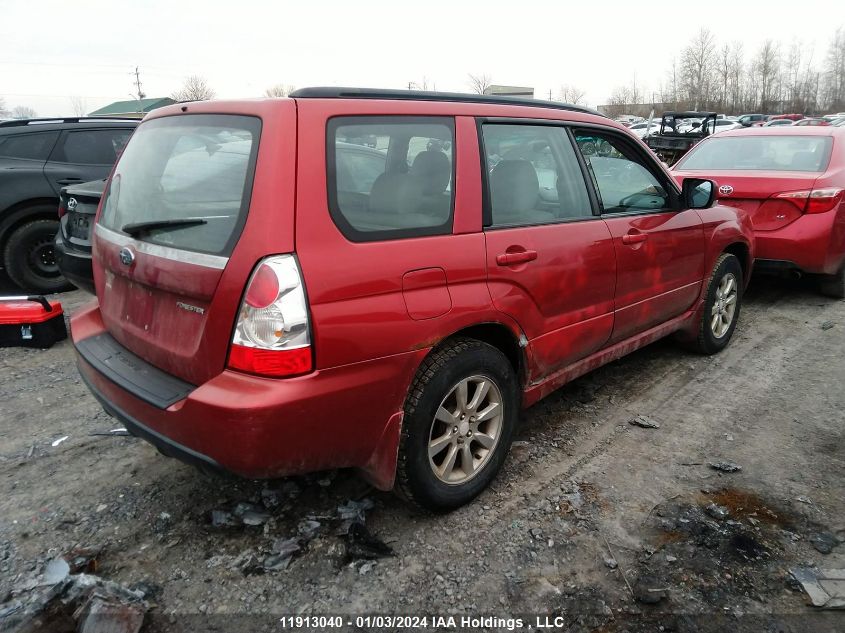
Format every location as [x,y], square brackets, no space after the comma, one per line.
[498,335]
[743,253]
[22,212]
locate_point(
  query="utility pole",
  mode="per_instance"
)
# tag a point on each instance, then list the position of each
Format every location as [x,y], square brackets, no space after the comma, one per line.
[137,74]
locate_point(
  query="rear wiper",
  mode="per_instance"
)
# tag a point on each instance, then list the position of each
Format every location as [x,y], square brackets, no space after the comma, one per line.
[136,228]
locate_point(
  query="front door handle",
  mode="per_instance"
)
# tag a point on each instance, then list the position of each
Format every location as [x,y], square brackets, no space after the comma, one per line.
[519,257]
[634,238]
[69,181]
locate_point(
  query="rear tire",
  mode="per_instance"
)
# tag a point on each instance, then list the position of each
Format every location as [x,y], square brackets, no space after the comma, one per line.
[30,260]
[460,414]
[721,306]
[834,285]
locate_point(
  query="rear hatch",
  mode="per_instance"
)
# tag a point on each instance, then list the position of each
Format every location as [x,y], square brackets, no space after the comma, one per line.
[173,212]
[78,208]
[765,175]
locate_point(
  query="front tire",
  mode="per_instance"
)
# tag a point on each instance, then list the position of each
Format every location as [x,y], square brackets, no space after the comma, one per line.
[460,414]
[721,306]
[30,259]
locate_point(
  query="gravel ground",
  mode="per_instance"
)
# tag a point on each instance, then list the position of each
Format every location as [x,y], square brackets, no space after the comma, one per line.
[611,526]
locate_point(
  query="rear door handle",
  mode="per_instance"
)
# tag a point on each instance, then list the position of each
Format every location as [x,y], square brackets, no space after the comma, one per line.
[634,238]
[519,257]
[69,181]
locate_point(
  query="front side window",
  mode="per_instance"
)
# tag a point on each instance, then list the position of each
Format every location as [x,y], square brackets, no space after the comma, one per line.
[391,177]
[533,175]
[766,153]
[622,181]
[28,146]
[91,147]
[185,182]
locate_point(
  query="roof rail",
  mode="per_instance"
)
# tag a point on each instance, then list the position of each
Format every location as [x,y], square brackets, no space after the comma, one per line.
[59,119]
[328,92]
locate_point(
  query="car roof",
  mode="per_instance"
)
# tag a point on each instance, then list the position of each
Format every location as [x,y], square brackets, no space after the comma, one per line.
[17,126]
[786,130]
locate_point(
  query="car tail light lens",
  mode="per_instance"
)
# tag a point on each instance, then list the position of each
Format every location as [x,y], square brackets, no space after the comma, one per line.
[814,200]
[62,211]
[272,336]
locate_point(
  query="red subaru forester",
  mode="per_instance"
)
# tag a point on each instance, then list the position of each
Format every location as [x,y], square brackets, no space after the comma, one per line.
[381,279]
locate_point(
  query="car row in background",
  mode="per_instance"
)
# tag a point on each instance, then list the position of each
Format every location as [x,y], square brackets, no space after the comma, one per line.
[38,157]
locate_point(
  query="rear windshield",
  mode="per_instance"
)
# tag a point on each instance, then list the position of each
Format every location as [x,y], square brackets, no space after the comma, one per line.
[765,153]
[196,168]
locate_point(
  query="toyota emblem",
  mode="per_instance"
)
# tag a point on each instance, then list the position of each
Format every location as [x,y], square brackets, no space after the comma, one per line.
[127,256]
[71,204]
[726,190]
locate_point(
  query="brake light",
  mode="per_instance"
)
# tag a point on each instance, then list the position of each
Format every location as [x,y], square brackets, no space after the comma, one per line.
[62,211]
[272,335]
[814,200]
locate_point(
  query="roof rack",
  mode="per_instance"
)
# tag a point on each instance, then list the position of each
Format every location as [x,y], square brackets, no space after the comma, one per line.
[328,92]
[59,119]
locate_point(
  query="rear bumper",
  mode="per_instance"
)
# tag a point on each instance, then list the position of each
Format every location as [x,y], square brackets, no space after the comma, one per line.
[74,265]
[814,243]
[347,416]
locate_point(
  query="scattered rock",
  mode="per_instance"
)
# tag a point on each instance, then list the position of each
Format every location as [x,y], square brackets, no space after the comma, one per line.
[824,542]
[645,422]
[162,522]
[725,466]
[308,529]
[648,590]
[361,544]
[827,325]
[254,519]
[611,563]
[717,512]
[223,519]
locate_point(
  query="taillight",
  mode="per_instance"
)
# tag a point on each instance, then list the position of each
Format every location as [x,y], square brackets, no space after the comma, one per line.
[814,200]
[62,210]
[272,336]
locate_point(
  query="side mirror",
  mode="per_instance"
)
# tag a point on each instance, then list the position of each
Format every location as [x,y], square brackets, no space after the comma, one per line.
[698,193]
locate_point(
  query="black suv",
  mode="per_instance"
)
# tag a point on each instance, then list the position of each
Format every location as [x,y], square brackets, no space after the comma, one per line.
[38,157]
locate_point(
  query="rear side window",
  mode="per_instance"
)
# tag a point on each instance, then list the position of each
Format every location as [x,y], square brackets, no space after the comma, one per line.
[533,176]
[91,147]
[28,146]
[390,177]
[187,178]
[767,153]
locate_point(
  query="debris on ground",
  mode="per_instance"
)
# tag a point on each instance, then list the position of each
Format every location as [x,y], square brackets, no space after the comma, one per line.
[827,325]
[360,543]
[717,512]
[825,587]
[649,590]
[725,466]
[55,443]
[223,519]
[645,422]
[610,563]
[118,432]
[824,542]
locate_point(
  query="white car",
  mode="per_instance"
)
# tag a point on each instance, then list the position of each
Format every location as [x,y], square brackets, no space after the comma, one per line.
[641,130]
[723,125]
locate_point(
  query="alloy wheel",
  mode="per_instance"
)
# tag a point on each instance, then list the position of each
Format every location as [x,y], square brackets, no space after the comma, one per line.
[724,306]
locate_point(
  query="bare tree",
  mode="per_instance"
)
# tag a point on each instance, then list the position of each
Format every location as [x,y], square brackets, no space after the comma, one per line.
[279,90]
[23,112]
[3,111]
[834,73]
[195,88]
[765,75]
[572,94]
[697,68]
[480,83]
[421,85]
[79,106]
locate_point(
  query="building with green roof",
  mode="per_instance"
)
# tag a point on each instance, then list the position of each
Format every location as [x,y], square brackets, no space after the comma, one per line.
[135,109]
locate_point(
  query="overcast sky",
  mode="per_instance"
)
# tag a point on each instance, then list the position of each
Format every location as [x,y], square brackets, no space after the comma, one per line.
[52,50]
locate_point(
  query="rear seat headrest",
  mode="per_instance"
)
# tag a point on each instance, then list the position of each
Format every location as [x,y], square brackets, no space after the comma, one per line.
[433,169]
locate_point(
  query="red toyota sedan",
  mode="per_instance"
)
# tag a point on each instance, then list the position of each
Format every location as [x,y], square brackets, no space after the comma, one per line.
[791,180]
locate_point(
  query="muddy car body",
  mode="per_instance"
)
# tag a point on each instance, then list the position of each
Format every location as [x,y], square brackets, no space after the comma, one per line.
[311,314]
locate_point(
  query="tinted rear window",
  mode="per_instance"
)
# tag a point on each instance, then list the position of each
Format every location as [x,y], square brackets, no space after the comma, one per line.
[764,153]
[28,146]
[187,167]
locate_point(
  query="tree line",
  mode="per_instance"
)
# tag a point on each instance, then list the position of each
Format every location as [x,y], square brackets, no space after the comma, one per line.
[720,76]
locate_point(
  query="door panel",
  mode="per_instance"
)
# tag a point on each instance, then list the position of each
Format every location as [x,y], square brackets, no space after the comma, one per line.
[660,258]
[550,260]
[84,155]
[659,250]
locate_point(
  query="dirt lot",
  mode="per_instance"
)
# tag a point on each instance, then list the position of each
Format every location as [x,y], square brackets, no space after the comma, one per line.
[607,524]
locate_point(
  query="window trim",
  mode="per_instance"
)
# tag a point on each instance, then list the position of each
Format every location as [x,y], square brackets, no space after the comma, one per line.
[344,226]
[59,145]
[647,161]
[486,202]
